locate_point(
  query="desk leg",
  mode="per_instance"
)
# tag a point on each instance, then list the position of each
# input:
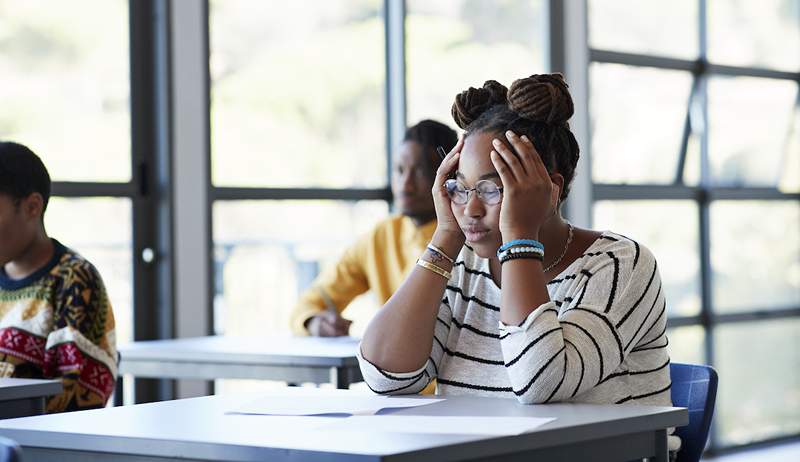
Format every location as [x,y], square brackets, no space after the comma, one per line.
[662,450]
[118,392]
[339,378]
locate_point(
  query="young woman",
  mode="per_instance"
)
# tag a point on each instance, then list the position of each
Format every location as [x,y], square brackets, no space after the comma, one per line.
[509,299]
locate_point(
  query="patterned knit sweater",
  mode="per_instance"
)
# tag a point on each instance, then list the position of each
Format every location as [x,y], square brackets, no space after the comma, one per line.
[601,338]
[58,323]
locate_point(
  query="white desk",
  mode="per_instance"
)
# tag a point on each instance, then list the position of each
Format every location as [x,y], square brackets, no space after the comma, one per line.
[199,429]
[25,397]
[291,359]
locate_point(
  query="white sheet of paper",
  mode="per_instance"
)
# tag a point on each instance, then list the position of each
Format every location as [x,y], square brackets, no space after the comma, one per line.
[443,425]
[322,404]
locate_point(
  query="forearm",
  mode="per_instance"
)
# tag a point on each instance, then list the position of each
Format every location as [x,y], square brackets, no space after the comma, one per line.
[524,290]
[400,336]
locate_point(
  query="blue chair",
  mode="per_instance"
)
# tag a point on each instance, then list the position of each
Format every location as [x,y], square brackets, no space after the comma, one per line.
[9,451]
[695,388]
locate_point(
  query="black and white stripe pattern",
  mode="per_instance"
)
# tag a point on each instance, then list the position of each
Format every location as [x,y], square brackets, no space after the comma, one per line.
[600,340]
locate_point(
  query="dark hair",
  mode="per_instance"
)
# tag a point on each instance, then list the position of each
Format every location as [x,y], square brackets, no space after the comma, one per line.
[22,173]
[538,106]
[430,134]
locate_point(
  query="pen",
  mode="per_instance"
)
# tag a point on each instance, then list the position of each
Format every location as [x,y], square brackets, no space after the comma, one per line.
[442,154]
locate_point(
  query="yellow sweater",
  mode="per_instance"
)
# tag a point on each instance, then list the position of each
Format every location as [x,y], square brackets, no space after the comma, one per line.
[379,261]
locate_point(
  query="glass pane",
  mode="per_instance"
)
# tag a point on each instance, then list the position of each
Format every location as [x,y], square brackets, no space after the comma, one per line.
[102,234]
[686,345]
[637,116]
[759,380]
[745,146]
[65,88]
[654,28]
[755,255]
[756,34]
[298,93]
[674,242]
[453,45]
[277,248]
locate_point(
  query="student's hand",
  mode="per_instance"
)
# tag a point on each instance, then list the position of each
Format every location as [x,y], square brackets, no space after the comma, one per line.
[529,196]
[328,324]
[448,233]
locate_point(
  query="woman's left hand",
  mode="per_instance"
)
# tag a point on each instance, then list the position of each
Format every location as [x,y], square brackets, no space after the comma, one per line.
[529,196]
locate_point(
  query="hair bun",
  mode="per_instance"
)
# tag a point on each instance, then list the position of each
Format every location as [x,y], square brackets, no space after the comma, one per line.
[471,103]
[542,98]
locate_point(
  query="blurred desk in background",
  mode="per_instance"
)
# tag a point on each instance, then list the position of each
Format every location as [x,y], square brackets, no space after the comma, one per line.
[25,397]
[285,358]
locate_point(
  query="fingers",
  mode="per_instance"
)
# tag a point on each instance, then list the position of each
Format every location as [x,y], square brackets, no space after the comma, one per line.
[534,159]
[449,164]
[510,158]
[329,324]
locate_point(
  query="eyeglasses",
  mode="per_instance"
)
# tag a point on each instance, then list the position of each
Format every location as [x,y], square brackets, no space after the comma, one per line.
[488,192]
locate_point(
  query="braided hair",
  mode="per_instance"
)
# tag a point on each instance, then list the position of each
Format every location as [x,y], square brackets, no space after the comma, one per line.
[538,106]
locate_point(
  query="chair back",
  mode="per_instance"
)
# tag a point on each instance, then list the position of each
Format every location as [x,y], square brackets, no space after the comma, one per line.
[9,451]
[695,388]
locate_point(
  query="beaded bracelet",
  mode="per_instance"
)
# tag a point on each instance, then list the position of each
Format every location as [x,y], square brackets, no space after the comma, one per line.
[520,249]
[436,269]
[515,256]
[517,242]
[440,252]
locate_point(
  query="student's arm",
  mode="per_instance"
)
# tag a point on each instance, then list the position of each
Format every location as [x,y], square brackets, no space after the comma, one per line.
[553,355]
[81,349]
[401,335]
[336,286]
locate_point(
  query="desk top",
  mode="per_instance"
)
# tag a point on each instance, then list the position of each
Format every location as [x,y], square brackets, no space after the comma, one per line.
[11,388]
[280,350]
[200,428]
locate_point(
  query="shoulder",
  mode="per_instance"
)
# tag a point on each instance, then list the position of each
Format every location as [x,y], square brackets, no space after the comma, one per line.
[75,270]
[615,249]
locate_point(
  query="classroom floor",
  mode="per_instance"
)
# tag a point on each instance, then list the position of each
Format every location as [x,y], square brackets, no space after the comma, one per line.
[783,453]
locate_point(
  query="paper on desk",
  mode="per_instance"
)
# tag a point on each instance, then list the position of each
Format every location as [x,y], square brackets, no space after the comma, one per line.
[443,425]
[323,405]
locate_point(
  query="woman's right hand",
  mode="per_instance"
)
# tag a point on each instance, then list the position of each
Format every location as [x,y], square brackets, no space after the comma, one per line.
[448,235]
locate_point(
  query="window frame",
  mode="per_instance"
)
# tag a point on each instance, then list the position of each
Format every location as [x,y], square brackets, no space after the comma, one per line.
[704,194]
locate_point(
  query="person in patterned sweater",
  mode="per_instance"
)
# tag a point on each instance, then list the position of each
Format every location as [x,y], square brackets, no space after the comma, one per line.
[56,320]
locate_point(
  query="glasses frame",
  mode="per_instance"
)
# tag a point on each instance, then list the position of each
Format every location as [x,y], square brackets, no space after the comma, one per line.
[477,191]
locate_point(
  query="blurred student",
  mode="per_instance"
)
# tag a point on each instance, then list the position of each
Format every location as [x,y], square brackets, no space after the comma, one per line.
[381,260]
[55,317]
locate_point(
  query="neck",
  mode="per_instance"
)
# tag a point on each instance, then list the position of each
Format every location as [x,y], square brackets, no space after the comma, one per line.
[553,236]
[420,220]
[35,256]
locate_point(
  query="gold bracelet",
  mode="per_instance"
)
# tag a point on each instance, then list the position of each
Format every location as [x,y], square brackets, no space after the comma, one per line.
[431,267]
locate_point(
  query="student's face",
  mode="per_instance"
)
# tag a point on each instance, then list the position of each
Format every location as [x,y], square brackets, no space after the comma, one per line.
[18,227]
[412,181]
[479,221]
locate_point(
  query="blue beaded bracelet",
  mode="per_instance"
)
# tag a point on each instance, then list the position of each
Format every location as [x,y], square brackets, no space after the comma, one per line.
[530,242]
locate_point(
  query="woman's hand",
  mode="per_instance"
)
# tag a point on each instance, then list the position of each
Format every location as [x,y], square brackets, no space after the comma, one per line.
[529,198]
[448,234]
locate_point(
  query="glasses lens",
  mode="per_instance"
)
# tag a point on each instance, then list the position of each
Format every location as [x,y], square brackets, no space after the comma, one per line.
[488,192]
[456,192]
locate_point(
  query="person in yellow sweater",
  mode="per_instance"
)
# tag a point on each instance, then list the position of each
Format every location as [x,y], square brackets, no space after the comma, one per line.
[381,260]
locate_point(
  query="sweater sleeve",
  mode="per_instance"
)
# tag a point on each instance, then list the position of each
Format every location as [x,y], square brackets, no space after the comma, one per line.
[566,347]
[338,285]
[81,350]
[400,383]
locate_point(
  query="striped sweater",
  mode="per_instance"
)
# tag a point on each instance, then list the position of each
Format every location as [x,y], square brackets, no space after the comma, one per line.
[601,338]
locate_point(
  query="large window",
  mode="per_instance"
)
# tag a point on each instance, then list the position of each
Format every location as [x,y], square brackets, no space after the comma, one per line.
[299,117]
[696,153]
[298,150]
[65,94]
